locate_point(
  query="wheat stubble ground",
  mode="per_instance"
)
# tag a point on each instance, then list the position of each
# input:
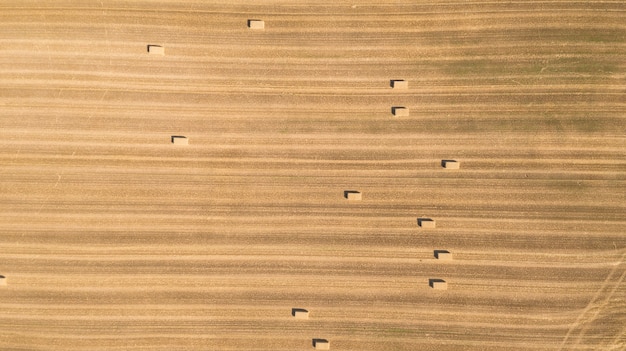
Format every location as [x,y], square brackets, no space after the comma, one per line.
[111,238]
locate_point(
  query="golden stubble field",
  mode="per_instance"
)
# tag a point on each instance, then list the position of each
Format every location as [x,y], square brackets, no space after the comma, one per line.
[113,238]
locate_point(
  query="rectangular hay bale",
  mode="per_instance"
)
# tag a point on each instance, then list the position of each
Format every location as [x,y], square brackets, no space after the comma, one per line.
[300,313]
[400,111]
[438,284]
[156,50]
[399,84]
[451,164]
[321,344]
[426,222]
[444,255]
[180,140]
[353,195]
[256,24]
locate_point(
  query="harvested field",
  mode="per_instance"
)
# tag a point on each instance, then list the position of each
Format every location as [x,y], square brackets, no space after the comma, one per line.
[114,239]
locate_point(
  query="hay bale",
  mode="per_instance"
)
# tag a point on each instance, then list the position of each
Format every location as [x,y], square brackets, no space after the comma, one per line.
[321,344]
[256,24]
[438,284]
[180,140]
[156,50]
[3,280]
[426,222]
[399,84]
[352,195]
[450,164]
[400,111]
[300,313]
[443,255]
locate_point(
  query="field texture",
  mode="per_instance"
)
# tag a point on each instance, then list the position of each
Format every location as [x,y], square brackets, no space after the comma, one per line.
[113,238]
